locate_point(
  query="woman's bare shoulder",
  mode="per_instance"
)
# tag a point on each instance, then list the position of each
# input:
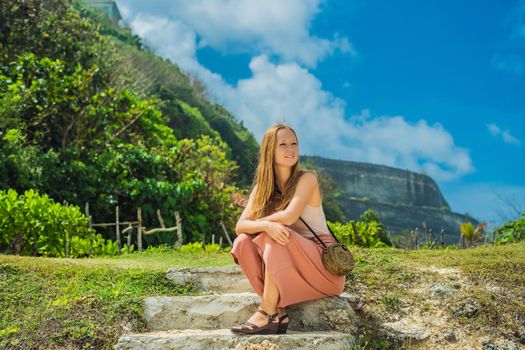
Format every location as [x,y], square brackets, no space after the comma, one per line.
[311,180]
[308,175]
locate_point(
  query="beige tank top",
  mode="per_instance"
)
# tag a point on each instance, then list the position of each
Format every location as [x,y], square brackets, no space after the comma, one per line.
[315,218]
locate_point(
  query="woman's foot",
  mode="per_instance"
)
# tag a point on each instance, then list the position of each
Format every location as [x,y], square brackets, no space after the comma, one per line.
[284,320]
[260,322]
[260,318]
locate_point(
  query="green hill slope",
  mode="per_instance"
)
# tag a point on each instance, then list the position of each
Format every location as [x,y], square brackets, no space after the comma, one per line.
[89,115]
[182,98]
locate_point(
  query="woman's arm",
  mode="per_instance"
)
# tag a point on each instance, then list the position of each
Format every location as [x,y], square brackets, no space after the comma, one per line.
[277,231]
[245,225]
[304,191]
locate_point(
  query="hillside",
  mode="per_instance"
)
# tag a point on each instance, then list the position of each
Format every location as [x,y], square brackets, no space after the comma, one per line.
[403,198]
[180,96]
[89,115]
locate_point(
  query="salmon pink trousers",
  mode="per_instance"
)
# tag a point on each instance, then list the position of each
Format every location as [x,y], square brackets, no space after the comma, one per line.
[296,268]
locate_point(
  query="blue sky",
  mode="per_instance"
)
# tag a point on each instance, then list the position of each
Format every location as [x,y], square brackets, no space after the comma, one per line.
[434,87]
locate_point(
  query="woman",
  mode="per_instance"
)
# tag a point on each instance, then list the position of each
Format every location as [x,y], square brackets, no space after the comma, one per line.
[278,254]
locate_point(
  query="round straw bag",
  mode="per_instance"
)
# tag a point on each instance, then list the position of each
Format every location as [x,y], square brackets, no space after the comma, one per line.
[336,257]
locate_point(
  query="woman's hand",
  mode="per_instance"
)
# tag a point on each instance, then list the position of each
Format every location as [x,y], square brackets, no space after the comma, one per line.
[278,232]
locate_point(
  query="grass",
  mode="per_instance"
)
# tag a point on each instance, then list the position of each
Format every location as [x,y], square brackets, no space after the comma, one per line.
[137,262]
[387,281]
[52,303]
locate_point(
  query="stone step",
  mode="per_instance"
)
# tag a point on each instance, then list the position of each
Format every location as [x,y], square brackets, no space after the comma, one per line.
[226,310]
[223,339]
[226,279]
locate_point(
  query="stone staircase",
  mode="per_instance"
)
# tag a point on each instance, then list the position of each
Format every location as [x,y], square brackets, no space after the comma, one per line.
[203,322]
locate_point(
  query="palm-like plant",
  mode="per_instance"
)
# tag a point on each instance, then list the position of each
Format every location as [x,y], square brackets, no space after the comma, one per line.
[471,234]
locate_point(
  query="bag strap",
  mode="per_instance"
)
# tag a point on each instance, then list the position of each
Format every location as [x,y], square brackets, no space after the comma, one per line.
[316,236]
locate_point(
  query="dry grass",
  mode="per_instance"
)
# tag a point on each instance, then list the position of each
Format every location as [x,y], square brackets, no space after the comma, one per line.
[487,285]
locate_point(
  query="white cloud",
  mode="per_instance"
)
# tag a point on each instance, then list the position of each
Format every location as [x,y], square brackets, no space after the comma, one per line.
[392,140]
[288,91]
[177,42]
[271,27]
[169,38]
[505,134]
[124,9]
[493,128]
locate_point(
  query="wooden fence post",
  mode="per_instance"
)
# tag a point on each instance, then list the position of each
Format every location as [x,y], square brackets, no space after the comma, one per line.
[416,237]
[66,238]
[139,233]
[178,243]
[424,223]
[129,229]
[90,226]
[117,230]
[161,221]
[226,234]
[442,235]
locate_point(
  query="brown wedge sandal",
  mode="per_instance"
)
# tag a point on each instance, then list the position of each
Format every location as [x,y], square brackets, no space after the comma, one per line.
[283,327]
[269,328]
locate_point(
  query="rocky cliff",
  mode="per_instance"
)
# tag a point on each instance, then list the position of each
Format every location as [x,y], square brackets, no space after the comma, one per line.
[403,198]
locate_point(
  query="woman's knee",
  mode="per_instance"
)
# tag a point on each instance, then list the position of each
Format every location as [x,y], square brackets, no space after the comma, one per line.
[243,240]
[275,250]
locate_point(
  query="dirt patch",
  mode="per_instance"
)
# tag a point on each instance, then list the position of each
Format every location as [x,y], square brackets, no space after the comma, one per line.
[436,308]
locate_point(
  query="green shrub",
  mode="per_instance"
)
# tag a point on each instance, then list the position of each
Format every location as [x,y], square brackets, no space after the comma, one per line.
[35,224]
[364,234]
[97,245]
[368,232]
[75,125]
[196,247]
[160,249]
[511,232]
